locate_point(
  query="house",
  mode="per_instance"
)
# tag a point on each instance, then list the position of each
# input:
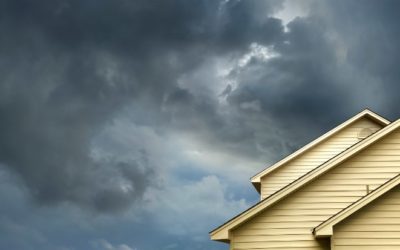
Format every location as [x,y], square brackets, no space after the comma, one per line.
[340,191]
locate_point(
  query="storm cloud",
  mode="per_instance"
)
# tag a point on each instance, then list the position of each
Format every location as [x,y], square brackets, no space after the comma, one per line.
[124,108]
[69,67]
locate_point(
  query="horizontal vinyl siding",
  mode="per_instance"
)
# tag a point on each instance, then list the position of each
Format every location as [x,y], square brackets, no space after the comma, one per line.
[288,224]
[314,157]
[376,226]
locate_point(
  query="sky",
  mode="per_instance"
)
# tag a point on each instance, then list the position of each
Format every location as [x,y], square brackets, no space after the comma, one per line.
[136,125]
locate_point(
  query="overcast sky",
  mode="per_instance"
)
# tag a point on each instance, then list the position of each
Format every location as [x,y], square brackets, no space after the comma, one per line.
[136,125]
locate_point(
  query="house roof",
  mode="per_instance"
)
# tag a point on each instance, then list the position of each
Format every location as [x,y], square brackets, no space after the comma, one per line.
[325,229]
[222,232]
[256,179]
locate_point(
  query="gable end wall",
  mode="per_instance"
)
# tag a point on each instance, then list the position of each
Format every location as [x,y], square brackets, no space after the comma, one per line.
[289,223]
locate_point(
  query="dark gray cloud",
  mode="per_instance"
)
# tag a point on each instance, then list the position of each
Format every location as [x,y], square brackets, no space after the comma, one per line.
[69,67]
[370,39]
[298,87]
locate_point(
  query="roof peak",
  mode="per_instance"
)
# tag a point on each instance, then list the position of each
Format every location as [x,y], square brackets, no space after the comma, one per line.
[366,112]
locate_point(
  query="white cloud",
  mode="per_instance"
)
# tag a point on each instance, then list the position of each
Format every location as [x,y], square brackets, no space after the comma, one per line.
[193,208]
[292,9]
[258,51]
[189,198]
[172,151]
[101,244]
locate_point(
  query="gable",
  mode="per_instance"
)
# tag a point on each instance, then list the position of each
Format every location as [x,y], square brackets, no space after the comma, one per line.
[222,232]
[316,152]
[288,224]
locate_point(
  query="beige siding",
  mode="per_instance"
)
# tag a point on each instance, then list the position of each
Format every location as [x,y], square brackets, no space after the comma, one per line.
[314,157]
[288,224]
[376,226]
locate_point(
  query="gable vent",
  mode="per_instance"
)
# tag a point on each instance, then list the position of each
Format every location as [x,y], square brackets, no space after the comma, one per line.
[364,133]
